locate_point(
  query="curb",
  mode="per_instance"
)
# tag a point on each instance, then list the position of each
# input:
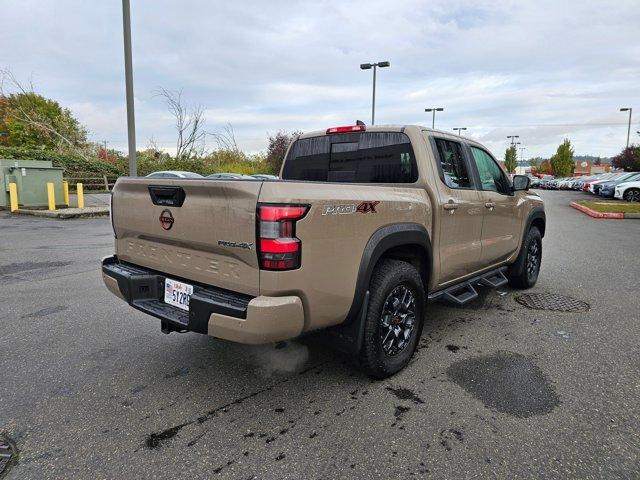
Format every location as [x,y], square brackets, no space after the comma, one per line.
[594,214]
[66,213]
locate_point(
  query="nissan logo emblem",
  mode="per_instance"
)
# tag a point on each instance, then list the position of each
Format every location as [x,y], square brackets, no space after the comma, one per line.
[166,219]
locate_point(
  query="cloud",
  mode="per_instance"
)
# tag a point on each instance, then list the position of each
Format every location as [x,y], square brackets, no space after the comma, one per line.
[541,69]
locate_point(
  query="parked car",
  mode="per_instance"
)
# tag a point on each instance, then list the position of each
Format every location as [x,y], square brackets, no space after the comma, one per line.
[629,191]
[565,183]
[607,189]
[230,176]
[264,176]
[595,186]
[579,183]
[355,240]
[173,174]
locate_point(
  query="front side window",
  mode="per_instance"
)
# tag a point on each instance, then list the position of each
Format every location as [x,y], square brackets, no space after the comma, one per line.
[453,168]
[492,177]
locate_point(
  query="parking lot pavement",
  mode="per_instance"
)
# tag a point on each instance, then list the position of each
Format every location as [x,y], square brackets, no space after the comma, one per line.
[93,389]
[91,199]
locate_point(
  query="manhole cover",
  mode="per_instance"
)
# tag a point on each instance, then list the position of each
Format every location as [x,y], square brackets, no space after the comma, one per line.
[552,301]
[6,455]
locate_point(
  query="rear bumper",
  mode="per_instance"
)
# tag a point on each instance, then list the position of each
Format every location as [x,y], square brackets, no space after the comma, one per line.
[212,311]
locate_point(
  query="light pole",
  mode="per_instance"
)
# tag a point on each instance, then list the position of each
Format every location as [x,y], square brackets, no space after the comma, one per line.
[629,126]
[128,77]
[459,129]
[434,110]
[369,66]
[522,149]
[513,138]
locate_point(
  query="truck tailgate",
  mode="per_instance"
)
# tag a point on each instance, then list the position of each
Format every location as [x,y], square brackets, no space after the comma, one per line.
[198,230]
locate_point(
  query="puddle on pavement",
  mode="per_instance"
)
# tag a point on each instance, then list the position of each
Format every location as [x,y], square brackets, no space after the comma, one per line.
[506,382]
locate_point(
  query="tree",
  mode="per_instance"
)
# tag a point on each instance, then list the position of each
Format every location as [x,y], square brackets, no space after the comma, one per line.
[511,159]
[562,160]
[189,125]
[545,167]
[628,159]
[597,161]
[277,148]
[533,162]
[28,119]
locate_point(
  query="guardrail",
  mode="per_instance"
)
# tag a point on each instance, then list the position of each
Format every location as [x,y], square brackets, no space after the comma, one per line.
[104,182]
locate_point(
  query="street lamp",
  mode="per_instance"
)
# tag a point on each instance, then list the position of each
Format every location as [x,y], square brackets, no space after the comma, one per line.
[369,66]
[128,77]
[434,110]
[522,149]
[459,129]
[629,109]
[513,138]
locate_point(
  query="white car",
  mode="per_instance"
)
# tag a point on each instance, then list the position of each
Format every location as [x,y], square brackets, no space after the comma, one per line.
[629,191]
[174,174]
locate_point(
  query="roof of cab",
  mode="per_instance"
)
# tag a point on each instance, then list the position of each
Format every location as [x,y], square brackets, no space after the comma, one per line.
[391,128]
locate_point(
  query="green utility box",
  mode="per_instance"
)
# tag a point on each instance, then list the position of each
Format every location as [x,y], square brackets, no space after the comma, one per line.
[31,178]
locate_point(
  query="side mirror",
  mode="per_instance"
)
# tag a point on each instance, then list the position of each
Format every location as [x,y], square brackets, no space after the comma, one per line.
[521,182]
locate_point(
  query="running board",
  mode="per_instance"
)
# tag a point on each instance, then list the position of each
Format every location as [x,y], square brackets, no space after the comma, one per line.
[464,292]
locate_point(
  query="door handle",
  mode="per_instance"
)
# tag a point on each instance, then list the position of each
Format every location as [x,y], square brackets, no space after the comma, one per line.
[490,205]
[450,206]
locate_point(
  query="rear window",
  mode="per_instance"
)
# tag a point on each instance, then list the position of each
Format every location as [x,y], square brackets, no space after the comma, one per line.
[381,157]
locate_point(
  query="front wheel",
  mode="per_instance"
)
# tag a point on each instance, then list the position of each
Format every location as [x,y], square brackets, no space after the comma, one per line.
[525,272]
[632,195]
[394,318]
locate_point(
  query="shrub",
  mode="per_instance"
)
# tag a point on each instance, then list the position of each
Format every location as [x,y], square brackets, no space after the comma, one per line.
[73,165]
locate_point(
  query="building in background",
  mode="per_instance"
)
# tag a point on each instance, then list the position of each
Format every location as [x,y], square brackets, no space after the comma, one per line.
[587,167]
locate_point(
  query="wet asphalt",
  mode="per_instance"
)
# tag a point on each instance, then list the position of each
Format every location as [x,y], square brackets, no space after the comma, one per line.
[91,388]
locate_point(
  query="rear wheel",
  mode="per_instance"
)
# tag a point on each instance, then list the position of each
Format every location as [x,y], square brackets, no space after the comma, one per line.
[524,273]
[394,318]
[632,195]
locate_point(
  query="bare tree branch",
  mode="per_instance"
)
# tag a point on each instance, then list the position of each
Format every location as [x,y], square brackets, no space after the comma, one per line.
[226,140]
[189,124]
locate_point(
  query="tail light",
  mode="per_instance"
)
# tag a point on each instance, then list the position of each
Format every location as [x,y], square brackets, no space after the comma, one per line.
[278,247]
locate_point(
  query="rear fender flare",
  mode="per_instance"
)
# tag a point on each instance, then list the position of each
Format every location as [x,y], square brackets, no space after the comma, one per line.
[381,241]
[348,336]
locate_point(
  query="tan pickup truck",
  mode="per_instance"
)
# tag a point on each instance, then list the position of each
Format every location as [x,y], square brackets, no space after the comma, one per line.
[365,226]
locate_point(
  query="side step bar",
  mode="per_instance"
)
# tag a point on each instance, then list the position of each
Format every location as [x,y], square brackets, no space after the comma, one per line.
[464,292]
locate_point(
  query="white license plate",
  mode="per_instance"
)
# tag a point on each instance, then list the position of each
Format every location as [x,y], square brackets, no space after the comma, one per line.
[177,293]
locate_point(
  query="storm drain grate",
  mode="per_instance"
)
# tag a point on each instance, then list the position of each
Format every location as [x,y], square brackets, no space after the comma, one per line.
[6,455]
[553,302]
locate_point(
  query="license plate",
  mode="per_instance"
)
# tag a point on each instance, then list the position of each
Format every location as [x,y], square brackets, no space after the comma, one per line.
[177,293]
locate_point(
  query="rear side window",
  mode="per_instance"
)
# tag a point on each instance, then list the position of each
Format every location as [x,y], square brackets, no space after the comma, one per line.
[453,168]
[381,157]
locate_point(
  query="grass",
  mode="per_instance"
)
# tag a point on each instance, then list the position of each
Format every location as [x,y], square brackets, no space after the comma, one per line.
[611,207]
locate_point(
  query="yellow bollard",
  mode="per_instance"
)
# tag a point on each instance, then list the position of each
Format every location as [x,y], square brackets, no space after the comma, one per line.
[52,196]
[13,196]
[80,192]
[65,193]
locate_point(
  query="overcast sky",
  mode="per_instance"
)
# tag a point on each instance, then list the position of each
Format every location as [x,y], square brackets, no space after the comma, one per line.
[541,70]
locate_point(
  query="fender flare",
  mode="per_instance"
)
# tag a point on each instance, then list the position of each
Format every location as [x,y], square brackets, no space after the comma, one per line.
[349,334]
[535,214]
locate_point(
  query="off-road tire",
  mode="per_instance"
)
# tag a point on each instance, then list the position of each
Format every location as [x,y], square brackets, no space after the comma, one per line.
[524,273]
[632,195]
[390,276]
